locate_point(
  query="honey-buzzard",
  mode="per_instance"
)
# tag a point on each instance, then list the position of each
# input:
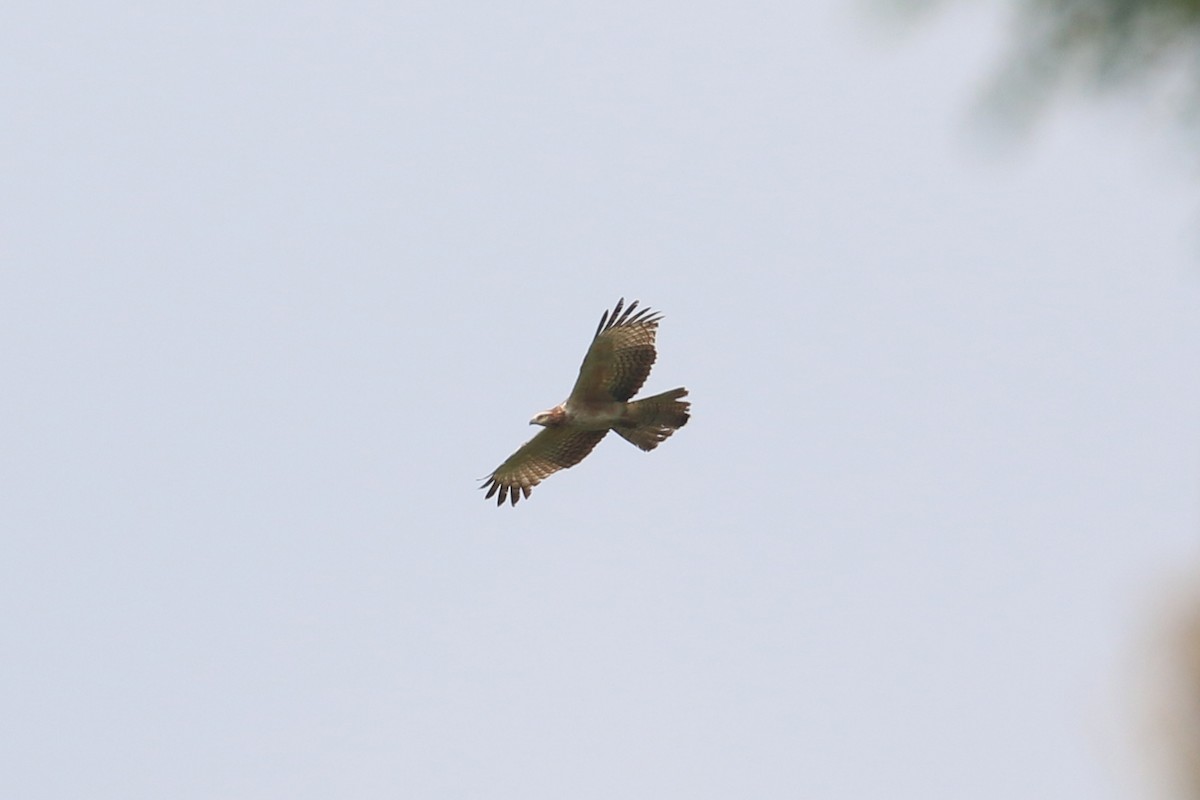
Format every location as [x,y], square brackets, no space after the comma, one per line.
[615,367]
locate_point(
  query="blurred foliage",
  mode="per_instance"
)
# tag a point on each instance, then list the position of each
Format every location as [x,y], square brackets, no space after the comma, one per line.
[1169,658]
[1102,43]
[1149,46]
[1182,706]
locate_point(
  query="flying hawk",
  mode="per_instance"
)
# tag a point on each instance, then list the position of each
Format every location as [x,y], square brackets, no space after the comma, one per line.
[615,367]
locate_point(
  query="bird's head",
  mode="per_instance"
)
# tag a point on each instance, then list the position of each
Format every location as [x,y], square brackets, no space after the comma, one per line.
[554,416]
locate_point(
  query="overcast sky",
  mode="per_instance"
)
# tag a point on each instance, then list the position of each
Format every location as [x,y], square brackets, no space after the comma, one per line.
[281,282]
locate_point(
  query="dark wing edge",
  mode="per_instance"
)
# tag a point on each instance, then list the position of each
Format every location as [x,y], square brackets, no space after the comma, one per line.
[622,352]
[619,358]
[551,450]
[616,318]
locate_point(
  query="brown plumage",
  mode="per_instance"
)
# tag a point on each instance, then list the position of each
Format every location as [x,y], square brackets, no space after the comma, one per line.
[614,369]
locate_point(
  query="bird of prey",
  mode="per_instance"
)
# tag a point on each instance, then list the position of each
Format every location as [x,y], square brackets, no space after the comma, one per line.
[615,367]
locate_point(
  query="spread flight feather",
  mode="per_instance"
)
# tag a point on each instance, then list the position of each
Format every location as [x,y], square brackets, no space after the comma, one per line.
[616,365]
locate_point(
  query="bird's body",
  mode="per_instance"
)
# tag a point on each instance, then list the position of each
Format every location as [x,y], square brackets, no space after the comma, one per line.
[592,417]
[615,367]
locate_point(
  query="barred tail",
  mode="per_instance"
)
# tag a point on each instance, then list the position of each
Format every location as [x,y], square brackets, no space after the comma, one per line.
[653,419]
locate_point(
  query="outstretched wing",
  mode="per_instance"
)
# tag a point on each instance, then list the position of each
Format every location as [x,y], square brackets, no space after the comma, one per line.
[539,458]
[620,357]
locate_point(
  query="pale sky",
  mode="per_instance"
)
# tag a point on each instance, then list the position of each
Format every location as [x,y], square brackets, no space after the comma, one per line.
[282,281]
